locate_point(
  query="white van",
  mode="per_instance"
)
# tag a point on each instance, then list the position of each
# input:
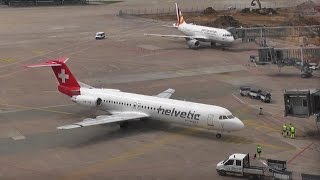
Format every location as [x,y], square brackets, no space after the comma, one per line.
[100,35]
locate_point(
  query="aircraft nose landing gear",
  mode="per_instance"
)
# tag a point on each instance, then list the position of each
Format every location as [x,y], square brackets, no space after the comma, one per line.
[218,135]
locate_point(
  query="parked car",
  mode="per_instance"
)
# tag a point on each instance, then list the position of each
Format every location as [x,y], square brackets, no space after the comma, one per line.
[100,35]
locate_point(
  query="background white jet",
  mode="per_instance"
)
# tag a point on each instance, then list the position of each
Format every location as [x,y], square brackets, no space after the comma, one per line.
[125,107]
[194,34]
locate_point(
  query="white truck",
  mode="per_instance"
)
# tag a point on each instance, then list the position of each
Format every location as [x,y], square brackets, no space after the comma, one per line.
[239,165]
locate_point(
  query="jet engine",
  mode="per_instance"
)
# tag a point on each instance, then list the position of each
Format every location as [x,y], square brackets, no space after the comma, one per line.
[87,100]
[193,43]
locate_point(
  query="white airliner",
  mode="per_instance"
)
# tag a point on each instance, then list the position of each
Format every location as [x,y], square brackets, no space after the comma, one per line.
[128,106]
[194,34]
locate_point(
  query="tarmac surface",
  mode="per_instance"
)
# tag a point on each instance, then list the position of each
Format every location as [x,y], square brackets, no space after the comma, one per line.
[31,107]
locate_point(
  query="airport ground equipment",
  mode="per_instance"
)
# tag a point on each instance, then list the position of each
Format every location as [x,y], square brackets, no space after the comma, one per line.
[303,104]
[255,93]
[265,97]
[279,169]
[251,33]
[244,90]
[100,35]
[239,165]
[276,165]
[306,59]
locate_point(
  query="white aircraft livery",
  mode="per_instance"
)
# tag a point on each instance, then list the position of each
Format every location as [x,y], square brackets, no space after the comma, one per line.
[125,107]
[194,34]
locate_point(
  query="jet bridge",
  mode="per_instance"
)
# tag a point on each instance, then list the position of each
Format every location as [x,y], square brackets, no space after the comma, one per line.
[279,31]
[303,103]
[306,59]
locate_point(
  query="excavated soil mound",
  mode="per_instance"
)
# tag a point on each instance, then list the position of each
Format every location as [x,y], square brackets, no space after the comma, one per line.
[302,21]
[306,5]
[223,22]
[209,10]
[264,11]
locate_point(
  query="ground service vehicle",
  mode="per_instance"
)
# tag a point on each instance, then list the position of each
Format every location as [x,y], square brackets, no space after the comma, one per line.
[239,165]
[100,35]
[265,97]
[244,90]
[255,93]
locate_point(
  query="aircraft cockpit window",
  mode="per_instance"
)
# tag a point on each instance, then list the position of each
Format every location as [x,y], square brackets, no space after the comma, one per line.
[220,117]
[230,117]
[225,117]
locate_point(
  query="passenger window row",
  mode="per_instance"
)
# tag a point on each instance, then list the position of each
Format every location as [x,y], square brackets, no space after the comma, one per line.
[120,103]
[128,104]
[226,117]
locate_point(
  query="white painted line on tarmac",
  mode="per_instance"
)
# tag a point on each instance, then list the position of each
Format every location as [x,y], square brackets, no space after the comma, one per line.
[238,99]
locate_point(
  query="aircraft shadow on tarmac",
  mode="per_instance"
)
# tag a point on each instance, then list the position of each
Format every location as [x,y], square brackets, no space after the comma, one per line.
[143,128]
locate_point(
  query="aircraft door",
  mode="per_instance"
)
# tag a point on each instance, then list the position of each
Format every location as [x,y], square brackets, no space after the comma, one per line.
[210,120]
[217,124]
[136,106]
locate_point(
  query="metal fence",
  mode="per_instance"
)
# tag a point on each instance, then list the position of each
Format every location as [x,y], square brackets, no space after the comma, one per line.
[19,3]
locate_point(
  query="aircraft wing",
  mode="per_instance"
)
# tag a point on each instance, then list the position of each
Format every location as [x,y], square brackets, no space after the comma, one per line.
[172,26]
[200,38]
[166,94]
[105,119]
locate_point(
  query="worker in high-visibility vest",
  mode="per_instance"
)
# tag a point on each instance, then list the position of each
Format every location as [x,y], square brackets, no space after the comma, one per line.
[293,132]
[289,129]
[284,130]
[259,150]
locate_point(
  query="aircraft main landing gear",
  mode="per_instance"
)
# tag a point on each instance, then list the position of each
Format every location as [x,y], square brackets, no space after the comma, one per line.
[213,44]
[218,136]
[123,124]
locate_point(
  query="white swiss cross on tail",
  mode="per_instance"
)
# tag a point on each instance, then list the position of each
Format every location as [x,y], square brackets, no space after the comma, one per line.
[63,76]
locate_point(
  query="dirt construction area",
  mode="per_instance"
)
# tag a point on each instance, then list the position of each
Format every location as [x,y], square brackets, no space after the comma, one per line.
[31,107]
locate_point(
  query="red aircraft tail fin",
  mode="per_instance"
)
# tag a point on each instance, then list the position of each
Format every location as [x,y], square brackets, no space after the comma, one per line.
[67,82]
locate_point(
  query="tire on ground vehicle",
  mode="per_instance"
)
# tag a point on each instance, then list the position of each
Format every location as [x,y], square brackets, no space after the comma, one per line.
[222,173]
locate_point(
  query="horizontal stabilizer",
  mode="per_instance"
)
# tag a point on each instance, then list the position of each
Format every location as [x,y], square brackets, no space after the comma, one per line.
[46,64]
[50,62]
[85,85]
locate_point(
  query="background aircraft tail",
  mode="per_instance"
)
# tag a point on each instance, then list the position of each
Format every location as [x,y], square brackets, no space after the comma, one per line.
[180,19]
[67,82]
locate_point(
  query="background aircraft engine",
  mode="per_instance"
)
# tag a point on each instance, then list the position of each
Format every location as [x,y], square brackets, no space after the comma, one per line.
[87,100]
[193,43]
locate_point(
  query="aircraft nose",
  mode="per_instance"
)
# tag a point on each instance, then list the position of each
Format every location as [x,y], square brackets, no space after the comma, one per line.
[231,39]
[239,124]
